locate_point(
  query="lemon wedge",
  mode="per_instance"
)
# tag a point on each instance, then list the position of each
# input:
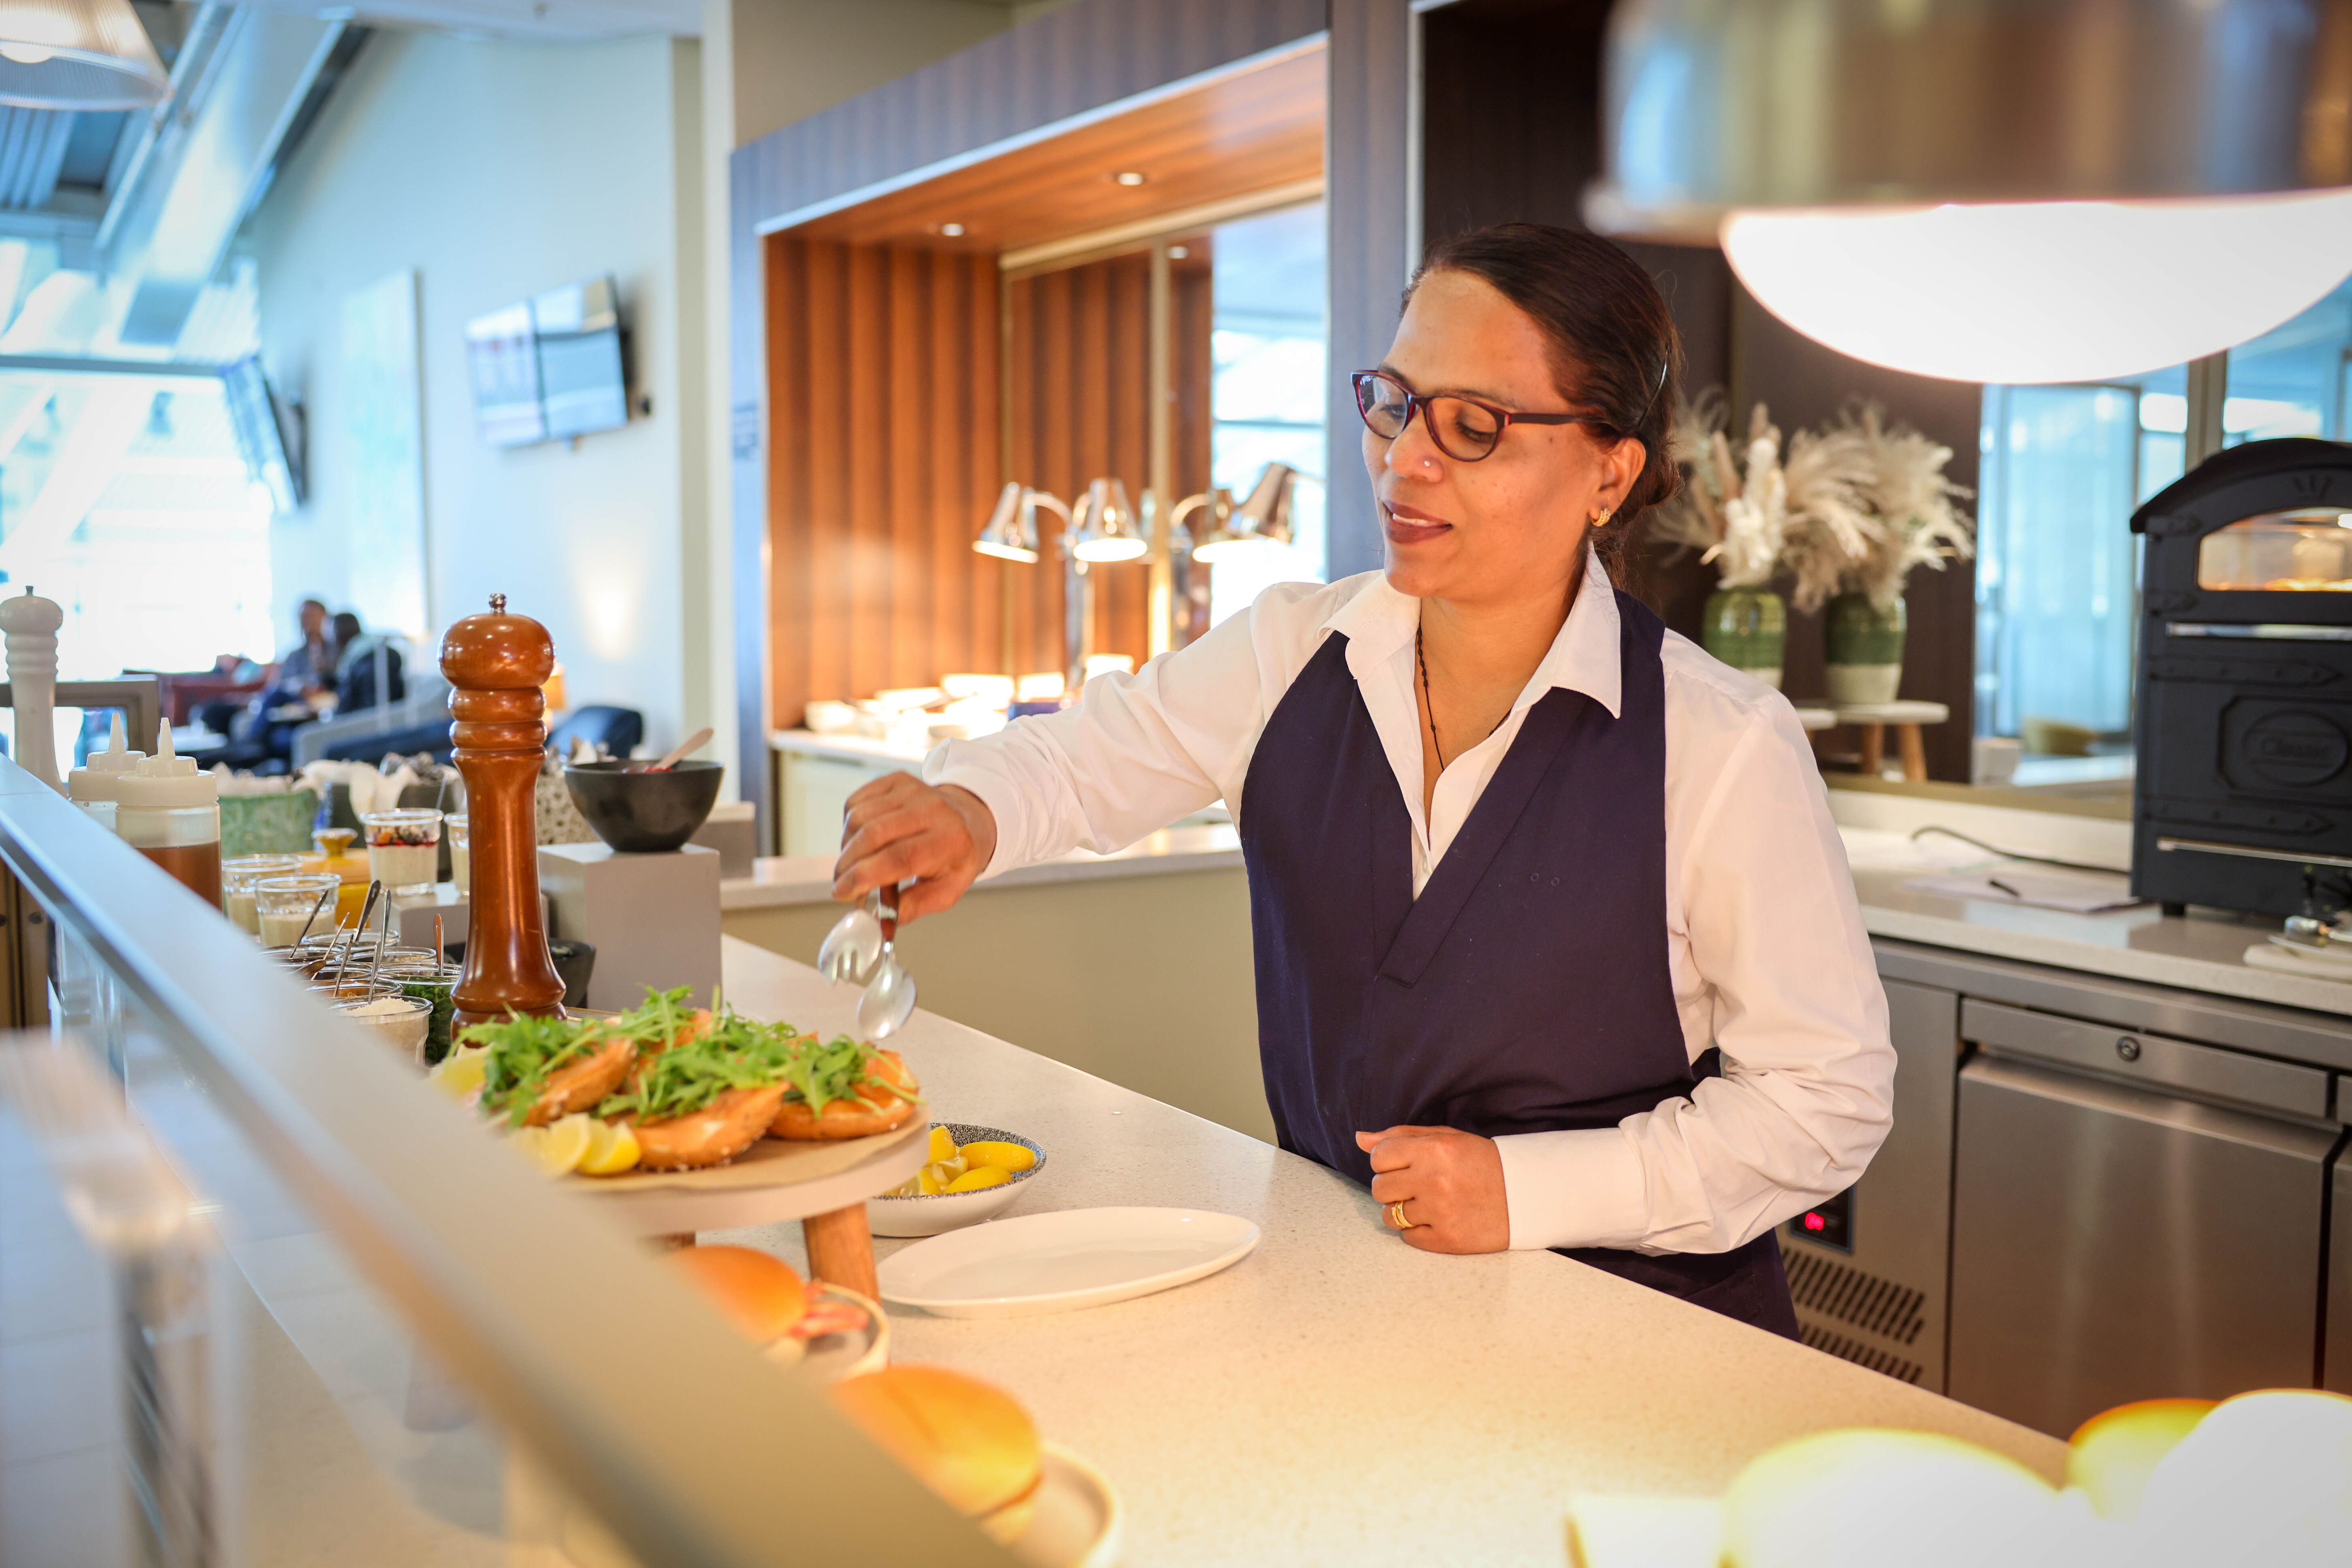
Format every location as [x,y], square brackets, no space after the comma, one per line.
[1000,1155]
[943,1147]
[459,1073]
[979,1178]
[557,1147]
[612,1148]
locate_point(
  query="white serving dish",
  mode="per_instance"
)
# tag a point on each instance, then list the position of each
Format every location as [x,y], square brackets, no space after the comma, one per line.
[1078,1518]
[938,1212]
[1062,1261]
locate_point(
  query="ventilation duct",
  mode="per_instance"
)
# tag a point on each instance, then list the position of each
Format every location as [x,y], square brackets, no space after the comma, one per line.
[240,83]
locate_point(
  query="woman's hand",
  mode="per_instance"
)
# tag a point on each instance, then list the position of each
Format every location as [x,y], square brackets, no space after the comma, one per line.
[1450,1183]
[897,827]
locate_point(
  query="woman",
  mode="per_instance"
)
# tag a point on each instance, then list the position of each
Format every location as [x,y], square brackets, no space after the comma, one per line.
[1555,942]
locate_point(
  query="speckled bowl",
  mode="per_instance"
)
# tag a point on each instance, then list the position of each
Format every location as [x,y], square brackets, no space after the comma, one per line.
[936,1212]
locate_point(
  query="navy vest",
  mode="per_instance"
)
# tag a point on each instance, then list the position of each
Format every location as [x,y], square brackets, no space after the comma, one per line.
[1525,990]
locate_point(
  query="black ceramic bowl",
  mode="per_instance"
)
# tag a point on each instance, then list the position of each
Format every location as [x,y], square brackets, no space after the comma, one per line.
[644,814]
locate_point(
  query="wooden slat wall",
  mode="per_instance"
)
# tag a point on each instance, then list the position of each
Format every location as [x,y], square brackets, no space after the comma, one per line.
[885,429]
[1081,363]
[883,388]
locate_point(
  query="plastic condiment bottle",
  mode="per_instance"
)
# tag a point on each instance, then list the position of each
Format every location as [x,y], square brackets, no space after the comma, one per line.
[170,813]
[96,785]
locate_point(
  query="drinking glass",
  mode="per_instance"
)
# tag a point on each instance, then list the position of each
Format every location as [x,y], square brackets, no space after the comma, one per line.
[404,848]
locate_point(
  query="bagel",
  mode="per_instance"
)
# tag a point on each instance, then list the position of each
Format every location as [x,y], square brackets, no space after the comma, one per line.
[730,1124]
[582,1084]
[870,1107]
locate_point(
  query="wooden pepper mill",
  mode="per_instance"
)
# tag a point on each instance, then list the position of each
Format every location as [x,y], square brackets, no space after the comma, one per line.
[494,665]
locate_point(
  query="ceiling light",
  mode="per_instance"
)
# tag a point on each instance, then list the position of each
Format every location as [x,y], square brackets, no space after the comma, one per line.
[1887,180]
[76,55]
[2043,291]
[1128,177]
[952,230]
[1105,528]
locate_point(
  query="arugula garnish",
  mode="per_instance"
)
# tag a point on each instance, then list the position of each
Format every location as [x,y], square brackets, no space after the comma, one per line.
[736,1054]
[524,1054]
[658,1018]
[821,1074]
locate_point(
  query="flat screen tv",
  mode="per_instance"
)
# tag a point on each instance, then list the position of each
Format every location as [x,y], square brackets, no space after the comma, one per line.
[503,363]
[272,455]
[583,383]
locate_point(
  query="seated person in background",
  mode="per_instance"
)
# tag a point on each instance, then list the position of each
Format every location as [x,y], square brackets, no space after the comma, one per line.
[362,659]
[303,683]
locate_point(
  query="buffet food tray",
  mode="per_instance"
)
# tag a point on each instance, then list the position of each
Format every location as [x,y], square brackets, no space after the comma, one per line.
[774,1180]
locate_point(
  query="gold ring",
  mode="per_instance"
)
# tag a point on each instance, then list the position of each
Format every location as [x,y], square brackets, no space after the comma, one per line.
[1396,1215]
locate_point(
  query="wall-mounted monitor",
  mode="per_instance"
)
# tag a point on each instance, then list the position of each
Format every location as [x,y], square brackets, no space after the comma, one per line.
[502,361]
[272,452]
[550,369]
[582,385]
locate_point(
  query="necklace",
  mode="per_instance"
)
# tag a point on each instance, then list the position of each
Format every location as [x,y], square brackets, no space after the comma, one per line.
[1421,663]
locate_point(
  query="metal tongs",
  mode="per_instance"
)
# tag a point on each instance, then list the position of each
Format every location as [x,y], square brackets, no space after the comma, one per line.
[862,948]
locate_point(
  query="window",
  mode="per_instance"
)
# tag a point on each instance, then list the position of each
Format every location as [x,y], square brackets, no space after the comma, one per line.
[1266,390]
[124,498]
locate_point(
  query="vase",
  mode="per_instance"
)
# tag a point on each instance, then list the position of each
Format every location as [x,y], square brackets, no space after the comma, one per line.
[1863,646]
[1747,628]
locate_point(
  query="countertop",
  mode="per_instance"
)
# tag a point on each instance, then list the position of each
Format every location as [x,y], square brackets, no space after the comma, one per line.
[808,878]
[1336,1396]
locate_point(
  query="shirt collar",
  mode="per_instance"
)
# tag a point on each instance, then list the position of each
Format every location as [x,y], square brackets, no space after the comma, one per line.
[1380,622]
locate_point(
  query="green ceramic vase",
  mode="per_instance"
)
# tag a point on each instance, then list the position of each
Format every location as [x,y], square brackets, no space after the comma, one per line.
[1864,648]
[1747,628]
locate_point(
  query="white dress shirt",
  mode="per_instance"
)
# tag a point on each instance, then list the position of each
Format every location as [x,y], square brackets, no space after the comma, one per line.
[1765,942]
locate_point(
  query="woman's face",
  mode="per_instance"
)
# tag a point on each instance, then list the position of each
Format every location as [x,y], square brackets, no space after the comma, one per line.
[1513,522]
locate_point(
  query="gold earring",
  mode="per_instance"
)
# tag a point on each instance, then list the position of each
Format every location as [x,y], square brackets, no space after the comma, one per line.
[1601,519]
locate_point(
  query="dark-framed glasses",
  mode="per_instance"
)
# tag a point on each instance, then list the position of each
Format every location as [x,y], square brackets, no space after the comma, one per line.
[1464,428]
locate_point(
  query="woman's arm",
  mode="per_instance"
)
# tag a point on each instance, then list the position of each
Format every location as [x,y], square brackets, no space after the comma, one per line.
[1768,908]
[1137,752]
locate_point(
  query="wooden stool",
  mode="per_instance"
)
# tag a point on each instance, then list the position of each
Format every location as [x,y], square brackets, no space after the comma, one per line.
[1870,720]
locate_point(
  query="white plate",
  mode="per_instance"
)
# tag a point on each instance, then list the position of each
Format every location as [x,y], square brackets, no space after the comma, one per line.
[1078,1520]
[1061,1261]
[930,1214]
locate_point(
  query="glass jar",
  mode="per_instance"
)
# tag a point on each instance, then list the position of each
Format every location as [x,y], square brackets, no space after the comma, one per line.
[284,905]
[238,877]
[461,866]
[404,848]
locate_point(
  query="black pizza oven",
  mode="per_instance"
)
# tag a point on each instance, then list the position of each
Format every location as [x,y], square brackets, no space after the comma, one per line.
[2244,798]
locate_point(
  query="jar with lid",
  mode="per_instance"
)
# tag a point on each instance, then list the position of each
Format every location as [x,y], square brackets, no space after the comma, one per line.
[95,785]
[170,813]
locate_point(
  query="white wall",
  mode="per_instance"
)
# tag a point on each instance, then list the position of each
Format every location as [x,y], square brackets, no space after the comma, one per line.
[497,170]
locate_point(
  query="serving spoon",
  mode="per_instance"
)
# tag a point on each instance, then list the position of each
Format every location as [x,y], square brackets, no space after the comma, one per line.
[890,999]
[675,754]
[854,943]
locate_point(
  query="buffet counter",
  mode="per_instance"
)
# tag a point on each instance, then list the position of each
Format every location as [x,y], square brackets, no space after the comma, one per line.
[1337,1397]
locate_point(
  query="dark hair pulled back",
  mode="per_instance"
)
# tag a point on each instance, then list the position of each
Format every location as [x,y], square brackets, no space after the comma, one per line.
[1614,351]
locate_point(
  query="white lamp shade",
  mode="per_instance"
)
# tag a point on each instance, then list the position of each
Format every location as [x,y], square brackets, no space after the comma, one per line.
[2043,291]
[76,53]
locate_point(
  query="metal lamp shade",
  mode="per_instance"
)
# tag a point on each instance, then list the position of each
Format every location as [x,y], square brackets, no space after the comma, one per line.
[1011,533]
[76,55]
[1715,105]
[1107,528]
[1264,519]
[1994,190]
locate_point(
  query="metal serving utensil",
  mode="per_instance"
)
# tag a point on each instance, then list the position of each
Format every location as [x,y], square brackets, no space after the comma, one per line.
[890,999]
[854,944]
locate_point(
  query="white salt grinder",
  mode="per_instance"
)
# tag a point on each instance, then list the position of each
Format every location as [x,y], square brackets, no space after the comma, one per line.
[31,623]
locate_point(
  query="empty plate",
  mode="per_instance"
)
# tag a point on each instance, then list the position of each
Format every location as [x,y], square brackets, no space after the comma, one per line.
[1059,1262]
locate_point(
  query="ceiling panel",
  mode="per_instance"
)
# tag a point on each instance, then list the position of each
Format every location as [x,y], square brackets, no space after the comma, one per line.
[32,149]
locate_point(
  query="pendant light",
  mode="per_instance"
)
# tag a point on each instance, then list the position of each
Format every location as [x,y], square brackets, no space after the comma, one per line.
[76,55]
[1105,528]
[1994,190]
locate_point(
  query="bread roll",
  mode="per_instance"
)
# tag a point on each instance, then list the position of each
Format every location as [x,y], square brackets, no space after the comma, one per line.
[870,1109]
[581,1084]
[759,1292]
[969,1441]
[711,1136]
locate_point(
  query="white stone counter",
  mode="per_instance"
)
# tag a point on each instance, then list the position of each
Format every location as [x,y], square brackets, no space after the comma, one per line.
[808,878]
[1336,1396]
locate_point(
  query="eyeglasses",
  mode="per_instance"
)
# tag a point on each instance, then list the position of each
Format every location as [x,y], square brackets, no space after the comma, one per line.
[1464,428]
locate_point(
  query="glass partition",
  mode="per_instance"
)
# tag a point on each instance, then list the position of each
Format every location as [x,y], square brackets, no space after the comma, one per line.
[351,1329]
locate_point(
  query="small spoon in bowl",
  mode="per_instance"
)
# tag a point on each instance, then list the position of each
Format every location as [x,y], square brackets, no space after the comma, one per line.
[675,754]
[890,999]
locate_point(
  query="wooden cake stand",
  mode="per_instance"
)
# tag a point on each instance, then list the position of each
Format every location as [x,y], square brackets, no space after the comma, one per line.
[823,1186]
